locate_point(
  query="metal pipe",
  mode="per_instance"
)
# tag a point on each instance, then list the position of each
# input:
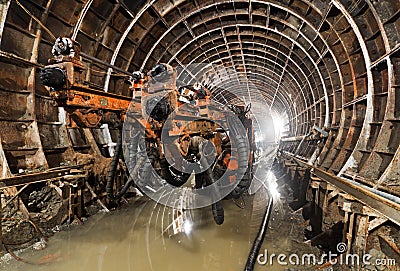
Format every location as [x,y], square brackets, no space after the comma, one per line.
[378,192]
[301,143]
[99,61]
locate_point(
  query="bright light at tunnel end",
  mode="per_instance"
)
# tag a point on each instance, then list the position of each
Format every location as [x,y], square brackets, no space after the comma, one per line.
[280,122]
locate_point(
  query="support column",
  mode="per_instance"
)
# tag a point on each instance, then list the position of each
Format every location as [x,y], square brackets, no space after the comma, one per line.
[4,5]
[359,222]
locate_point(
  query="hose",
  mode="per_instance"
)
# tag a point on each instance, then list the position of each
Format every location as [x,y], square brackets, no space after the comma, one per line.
[34,226]
[208,178]
[218,212]
[113,168]
[255,250]
[110,183]
[8,249]
[216,207]
[243,157]
[173,179]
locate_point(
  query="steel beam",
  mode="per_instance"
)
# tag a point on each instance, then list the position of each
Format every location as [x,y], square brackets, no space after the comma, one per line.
[385,207]
[36,177]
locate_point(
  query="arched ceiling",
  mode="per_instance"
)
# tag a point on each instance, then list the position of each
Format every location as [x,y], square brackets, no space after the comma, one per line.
[331,64]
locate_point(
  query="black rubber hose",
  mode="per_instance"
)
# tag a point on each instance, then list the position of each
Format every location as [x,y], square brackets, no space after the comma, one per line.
[218,212]
[255,250]
[243,167]
[141,161]
[177,180]
[113,169]
[217,209]
[242,146]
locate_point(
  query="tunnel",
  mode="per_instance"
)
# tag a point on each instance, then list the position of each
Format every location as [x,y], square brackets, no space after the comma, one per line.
[320,80]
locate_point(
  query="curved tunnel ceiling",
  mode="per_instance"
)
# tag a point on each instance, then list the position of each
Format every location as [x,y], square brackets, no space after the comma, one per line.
[331,64]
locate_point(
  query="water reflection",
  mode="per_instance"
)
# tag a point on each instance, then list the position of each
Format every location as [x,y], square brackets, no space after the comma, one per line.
[142,236]
[132,239]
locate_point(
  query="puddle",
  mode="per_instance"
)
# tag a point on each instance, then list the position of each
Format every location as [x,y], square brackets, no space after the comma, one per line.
[138,237]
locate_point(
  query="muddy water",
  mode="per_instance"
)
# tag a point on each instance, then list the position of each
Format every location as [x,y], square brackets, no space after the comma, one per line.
[137,237]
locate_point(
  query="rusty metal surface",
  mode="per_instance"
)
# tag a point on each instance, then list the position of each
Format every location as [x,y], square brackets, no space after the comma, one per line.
[384,206]
[33,178]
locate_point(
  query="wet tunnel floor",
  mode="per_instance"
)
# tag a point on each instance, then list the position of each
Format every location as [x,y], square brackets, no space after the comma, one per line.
[131,239]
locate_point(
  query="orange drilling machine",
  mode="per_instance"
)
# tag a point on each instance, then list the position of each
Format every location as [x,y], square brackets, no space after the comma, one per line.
[168,132]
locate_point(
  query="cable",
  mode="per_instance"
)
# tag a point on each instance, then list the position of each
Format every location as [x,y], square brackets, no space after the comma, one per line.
[6,245]
[27,221]
[251,260]
[37,20]
[113,169]
[112,172]
[19,258]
